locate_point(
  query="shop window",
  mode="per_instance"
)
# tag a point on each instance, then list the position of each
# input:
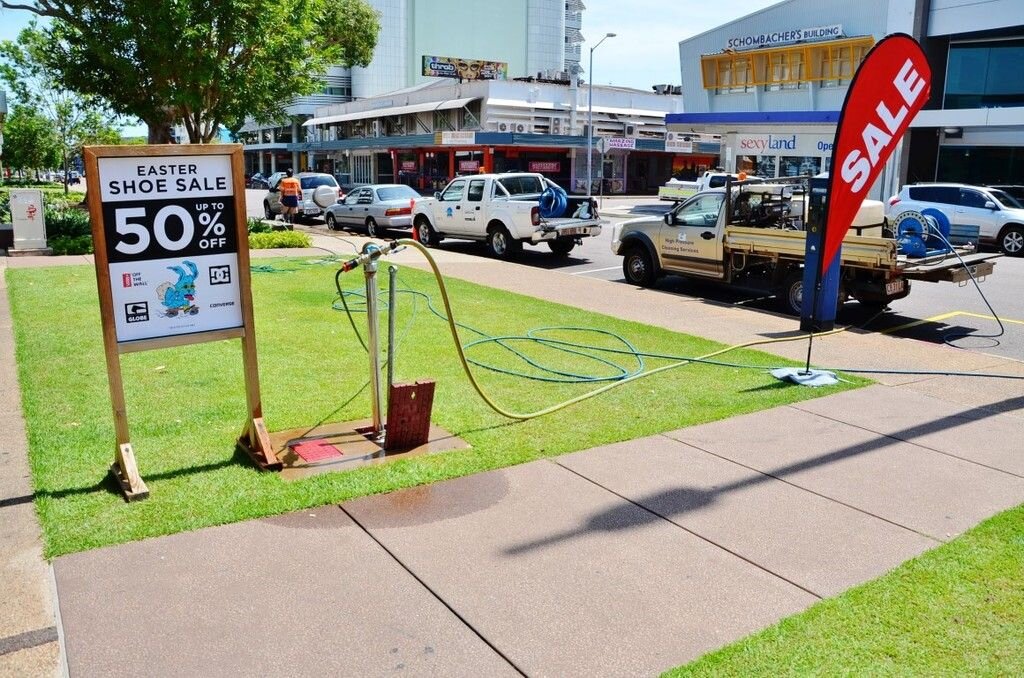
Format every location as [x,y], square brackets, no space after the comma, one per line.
[796,166]
[985,74]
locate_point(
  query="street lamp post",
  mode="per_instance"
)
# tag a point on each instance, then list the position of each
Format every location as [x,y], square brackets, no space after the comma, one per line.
[590,115]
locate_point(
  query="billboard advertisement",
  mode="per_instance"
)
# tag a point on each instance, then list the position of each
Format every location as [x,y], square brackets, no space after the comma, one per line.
[464,69]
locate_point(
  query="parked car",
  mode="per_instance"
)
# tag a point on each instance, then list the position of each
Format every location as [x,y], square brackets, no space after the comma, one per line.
[997,215]
[375,208]
[257,180]
[309,181]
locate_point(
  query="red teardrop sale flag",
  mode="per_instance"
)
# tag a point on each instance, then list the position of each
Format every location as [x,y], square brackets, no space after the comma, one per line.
[890,87]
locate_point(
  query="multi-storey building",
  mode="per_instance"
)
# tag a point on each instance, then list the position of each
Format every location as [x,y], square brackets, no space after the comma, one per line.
[533,37]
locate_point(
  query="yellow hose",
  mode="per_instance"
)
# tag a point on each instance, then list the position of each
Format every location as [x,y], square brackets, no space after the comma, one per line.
[590,394]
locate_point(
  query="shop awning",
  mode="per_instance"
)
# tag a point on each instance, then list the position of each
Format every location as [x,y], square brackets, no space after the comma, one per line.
[548,106]
[390,111]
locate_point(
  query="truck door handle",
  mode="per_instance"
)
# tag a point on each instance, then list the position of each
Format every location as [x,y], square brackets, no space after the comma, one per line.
[458,207]
[707,235]
[478,208]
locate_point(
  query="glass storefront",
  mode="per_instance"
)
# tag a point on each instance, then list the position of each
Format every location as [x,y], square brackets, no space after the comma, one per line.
[985,74]
[981,164]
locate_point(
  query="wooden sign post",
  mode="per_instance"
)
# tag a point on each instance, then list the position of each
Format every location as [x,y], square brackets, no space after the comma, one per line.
[172,266]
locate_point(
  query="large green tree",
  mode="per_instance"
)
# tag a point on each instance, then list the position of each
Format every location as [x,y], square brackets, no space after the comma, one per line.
[75,119]
[205,63]
[29,140]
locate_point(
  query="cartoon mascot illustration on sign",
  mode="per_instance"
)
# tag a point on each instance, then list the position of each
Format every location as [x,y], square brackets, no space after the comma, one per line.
[177,297]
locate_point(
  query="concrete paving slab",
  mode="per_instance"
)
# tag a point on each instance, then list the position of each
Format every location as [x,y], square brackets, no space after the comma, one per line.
[1000,395]
[920,489]
[41,661]
[977,434]
[823,546]
[305,594]
[566,579]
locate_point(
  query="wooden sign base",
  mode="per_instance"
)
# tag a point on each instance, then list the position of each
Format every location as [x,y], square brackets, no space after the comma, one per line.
[126,473]
[255,441]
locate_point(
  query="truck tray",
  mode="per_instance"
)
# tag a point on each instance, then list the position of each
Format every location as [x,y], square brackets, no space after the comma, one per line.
[950,269]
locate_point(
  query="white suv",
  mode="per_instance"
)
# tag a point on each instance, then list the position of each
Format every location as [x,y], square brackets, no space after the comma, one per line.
[998,216]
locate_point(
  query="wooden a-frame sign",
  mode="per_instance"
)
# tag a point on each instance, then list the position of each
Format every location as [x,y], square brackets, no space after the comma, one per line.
[172,266]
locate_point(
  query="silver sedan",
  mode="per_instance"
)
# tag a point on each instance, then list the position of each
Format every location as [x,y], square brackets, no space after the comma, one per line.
[373,208]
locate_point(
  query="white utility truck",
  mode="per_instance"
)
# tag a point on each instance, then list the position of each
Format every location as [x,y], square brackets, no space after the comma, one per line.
[756,240]
[505,211]
[675,190]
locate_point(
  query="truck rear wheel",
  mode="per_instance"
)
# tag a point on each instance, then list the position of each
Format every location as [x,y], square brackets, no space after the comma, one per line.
[638,267]
[501,244]
[790,296]
[561,247]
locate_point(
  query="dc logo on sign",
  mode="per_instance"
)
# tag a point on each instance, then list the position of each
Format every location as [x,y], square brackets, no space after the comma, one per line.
[136,312]
[220,275]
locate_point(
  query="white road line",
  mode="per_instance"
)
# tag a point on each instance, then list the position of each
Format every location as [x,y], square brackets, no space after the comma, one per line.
[596,270]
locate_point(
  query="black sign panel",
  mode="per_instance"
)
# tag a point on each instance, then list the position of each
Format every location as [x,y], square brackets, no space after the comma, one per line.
[161,229]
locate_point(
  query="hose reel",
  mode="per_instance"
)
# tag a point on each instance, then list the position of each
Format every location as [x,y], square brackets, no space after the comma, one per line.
[922,234]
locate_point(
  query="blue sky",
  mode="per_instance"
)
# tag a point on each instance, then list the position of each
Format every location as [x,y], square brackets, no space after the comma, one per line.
[644,52]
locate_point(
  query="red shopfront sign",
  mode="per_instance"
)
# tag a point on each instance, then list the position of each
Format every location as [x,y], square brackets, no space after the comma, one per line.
[408,166]
[550,166]
[469,165]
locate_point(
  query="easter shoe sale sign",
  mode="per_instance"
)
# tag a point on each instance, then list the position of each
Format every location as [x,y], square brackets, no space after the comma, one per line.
[171,244]
[172,269]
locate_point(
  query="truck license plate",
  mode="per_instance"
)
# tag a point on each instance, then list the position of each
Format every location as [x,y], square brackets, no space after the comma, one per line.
[894,286]
[575,230]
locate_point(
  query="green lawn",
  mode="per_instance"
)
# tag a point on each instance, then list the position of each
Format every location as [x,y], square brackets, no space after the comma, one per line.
[957,610]
[186,406]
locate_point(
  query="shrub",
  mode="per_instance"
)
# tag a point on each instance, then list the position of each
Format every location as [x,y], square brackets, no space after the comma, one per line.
[62,244]
[266,241]
[72,223]
[256,225]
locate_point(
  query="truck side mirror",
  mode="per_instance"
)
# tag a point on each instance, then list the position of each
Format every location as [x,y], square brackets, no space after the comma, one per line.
[669,219]
[437,195]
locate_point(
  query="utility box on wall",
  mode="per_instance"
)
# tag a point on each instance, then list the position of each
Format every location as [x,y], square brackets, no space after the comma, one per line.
[29,222]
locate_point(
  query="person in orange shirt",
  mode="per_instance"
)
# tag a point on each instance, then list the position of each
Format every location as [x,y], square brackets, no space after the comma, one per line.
[291,191]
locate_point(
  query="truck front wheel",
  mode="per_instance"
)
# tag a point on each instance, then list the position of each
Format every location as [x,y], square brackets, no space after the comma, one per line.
[425,233]
[638,267]
[501,243]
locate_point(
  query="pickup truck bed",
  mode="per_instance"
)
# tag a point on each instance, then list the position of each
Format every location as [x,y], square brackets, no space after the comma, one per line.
[859,252]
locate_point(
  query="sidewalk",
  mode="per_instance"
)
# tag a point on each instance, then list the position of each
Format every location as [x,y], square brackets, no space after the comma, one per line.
[622,560]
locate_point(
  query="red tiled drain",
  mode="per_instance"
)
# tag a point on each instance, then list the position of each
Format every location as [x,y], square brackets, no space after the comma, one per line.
[316,450]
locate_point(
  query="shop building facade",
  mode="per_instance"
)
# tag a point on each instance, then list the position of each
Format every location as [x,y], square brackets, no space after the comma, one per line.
[425,135]
[972,128]
[531,36]
[771,84]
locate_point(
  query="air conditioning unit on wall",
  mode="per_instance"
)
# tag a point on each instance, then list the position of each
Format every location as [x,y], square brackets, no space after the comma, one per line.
[632,130]
[504,127]
[556,125]
[522,128]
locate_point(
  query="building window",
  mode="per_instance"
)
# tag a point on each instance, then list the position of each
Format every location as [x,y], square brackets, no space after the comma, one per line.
[789,67]
[338,91]
[985,74]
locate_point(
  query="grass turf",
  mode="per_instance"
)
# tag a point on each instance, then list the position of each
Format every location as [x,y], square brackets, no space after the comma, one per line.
[186,405]
[957,610]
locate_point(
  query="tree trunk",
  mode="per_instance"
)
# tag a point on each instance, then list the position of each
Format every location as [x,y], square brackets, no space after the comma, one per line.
[160,132]
[67,178]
